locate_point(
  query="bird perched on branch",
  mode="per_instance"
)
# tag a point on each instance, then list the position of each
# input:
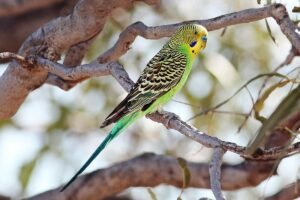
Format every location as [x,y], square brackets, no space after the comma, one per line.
[162,78]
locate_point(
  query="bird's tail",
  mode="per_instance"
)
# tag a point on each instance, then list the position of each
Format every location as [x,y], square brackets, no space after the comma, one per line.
[116,130]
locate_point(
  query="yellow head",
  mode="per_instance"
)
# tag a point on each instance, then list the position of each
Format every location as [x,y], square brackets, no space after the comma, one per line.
[190,36]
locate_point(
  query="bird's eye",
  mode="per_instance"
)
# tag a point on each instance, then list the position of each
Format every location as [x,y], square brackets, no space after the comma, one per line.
[196,33]
[193,43]
[204,38]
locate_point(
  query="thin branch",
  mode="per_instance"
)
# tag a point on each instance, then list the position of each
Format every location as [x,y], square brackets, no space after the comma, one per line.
[277,11]
[63,76]
[215,172]
[59,82]
[9,56]
[128,36]
[287,27]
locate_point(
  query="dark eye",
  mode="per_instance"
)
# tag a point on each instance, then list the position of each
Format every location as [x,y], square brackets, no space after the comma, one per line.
[196,33]
[193,43]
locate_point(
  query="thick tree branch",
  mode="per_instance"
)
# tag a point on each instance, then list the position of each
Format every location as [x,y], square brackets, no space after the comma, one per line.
[16,7]
[18,28]
[76,53]
[156,169]
[292,191]
[50,41]
[4,198]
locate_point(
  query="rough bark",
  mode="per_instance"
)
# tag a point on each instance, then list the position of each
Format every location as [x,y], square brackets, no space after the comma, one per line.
[18,28]
[149,170]
[50,41]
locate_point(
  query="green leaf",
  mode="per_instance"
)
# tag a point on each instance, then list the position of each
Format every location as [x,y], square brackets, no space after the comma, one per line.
[289,104]
[186,175]
[270,32]
[27,169]
[152,194]
[223,31]
[258,106]
[185,172]
[26,172]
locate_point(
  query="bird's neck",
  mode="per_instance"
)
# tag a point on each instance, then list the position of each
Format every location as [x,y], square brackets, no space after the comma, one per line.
[184,48]
[188,52]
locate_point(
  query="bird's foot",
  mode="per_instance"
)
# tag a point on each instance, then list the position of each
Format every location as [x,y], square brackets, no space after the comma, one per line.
[168,116]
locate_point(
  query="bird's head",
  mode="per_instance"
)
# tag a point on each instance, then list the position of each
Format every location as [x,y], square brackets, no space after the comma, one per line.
[192,37]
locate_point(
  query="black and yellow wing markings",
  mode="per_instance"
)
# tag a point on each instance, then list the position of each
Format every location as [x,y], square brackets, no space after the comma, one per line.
[162,73]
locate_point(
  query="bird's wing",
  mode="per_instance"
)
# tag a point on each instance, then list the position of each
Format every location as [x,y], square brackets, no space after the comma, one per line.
[162,73]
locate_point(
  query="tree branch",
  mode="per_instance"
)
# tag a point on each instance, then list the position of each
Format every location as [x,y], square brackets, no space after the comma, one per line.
[277,11]
[215,172]
[18,28]
[63,76]
[156,169]
[49,42]
[128,36]
[292,191]
[17,7]
[4,197]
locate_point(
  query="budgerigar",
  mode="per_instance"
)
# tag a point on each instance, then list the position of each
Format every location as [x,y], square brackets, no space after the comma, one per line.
[163,77]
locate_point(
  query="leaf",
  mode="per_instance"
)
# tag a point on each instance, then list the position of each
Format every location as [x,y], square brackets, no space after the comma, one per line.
[284,109]
[152,194]
[179,197]
[261,101]
[186,175]
[185,171]
[27,169]
[270,31]
[26,172]
[223,31]
[296,9]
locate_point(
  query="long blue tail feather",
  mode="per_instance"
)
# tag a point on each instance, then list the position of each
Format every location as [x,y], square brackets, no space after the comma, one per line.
[116,130]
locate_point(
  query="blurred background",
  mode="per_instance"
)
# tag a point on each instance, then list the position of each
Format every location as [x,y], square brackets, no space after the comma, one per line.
[55,131]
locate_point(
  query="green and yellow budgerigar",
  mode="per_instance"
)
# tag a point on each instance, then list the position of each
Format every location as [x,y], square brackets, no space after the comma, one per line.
[163,77]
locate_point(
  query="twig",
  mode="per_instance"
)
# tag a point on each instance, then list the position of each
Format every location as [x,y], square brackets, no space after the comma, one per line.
[215,172]
[9,56]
